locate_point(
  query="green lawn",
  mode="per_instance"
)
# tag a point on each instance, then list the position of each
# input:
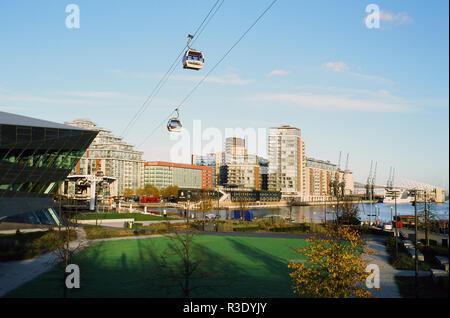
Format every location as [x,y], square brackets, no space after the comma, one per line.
[109,216]
[258,267]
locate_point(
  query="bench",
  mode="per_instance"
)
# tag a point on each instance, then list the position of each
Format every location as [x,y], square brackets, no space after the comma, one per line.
[436,273]
[412,253]
[408,244]
[443,261]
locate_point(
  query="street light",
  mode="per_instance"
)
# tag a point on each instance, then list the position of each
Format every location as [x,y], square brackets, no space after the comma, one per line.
[416,261]
[393,193]
[391,213]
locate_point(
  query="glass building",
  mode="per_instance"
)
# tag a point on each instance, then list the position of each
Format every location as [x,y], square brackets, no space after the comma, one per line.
[35,157]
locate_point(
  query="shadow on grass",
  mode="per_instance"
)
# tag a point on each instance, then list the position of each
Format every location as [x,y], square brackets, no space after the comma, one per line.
[124,269]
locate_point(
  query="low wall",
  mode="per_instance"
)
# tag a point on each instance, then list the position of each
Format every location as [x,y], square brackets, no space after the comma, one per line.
[99,221]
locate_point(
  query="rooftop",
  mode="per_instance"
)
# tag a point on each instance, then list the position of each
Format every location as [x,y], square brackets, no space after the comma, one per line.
[19,120]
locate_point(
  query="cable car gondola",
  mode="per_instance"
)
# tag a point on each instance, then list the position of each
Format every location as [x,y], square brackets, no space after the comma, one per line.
[192,59]
[174,124]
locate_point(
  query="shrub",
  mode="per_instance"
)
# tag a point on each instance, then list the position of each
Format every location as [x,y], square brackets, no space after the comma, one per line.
[403,261]
[390,242]
[139,232]
[246,229]
[294,228]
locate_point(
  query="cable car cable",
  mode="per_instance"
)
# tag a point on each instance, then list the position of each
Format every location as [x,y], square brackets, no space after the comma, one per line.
[226,54]
[215,66]
[169,72]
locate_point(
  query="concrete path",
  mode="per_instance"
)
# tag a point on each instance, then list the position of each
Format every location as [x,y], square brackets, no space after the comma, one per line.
[16,273]
[388,287]
[115,224]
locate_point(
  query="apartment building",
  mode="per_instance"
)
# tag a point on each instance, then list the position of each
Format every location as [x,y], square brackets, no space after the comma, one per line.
[162,174]
[320,174]
[111,155]
[287,161]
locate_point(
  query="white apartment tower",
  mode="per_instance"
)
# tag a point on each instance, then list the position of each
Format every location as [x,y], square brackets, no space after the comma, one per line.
[287,161]
[111,155]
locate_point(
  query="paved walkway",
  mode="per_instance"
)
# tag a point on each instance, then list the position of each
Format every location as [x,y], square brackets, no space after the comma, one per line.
[388,287]
[16,273]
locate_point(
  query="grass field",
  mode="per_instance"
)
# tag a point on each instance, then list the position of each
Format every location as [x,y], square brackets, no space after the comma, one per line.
[122,269]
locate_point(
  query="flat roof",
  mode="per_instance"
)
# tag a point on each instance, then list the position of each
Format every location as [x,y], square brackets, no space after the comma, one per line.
[19,120]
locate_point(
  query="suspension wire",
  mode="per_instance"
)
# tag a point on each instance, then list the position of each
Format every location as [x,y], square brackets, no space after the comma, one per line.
[215,66]
[210,18]
[169,72]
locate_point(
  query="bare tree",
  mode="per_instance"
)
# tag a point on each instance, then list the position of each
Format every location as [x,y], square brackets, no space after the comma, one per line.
[70,242]
[205,206]
[186,265]
[243,204]
[347,211]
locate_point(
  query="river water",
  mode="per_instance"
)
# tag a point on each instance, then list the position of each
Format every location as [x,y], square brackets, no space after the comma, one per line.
[316,214]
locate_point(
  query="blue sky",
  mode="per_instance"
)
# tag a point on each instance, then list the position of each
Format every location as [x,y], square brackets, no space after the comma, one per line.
[378,94]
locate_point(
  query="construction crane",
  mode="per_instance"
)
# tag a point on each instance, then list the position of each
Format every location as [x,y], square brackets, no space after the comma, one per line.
[372,187]
[369,180]
[346,163]
[388,182]
[339,162]
[374,175]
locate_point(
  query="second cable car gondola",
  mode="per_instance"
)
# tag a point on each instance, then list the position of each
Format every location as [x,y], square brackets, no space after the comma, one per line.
[192,59]
[174,124]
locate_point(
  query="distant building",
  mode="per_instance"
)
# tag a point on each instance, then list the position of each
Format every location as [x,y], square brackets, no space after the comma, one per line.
[241,171]
[111,155]
[264,173]
[235,167]
[287,161]
[163,174]
[212,160]
[35,158]
[235,146]
[320,174]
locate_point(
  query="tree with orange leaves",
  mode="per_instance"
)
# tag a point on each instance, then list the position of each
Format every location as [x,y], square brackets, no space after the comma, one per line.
[334,265]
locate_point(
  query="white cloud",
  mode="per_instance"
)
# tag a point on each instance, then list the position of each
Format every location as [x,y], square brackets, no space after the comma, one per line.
[336,66]
[326,102]
[395,18]
[278,73]
[371,77]
[342,67]
[92,94]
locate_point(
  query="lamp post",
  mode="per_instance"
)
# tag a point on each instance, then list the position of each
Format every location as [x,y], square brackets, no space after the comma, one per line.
[427,239]
[391,214]
[394,193]
[416,261]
